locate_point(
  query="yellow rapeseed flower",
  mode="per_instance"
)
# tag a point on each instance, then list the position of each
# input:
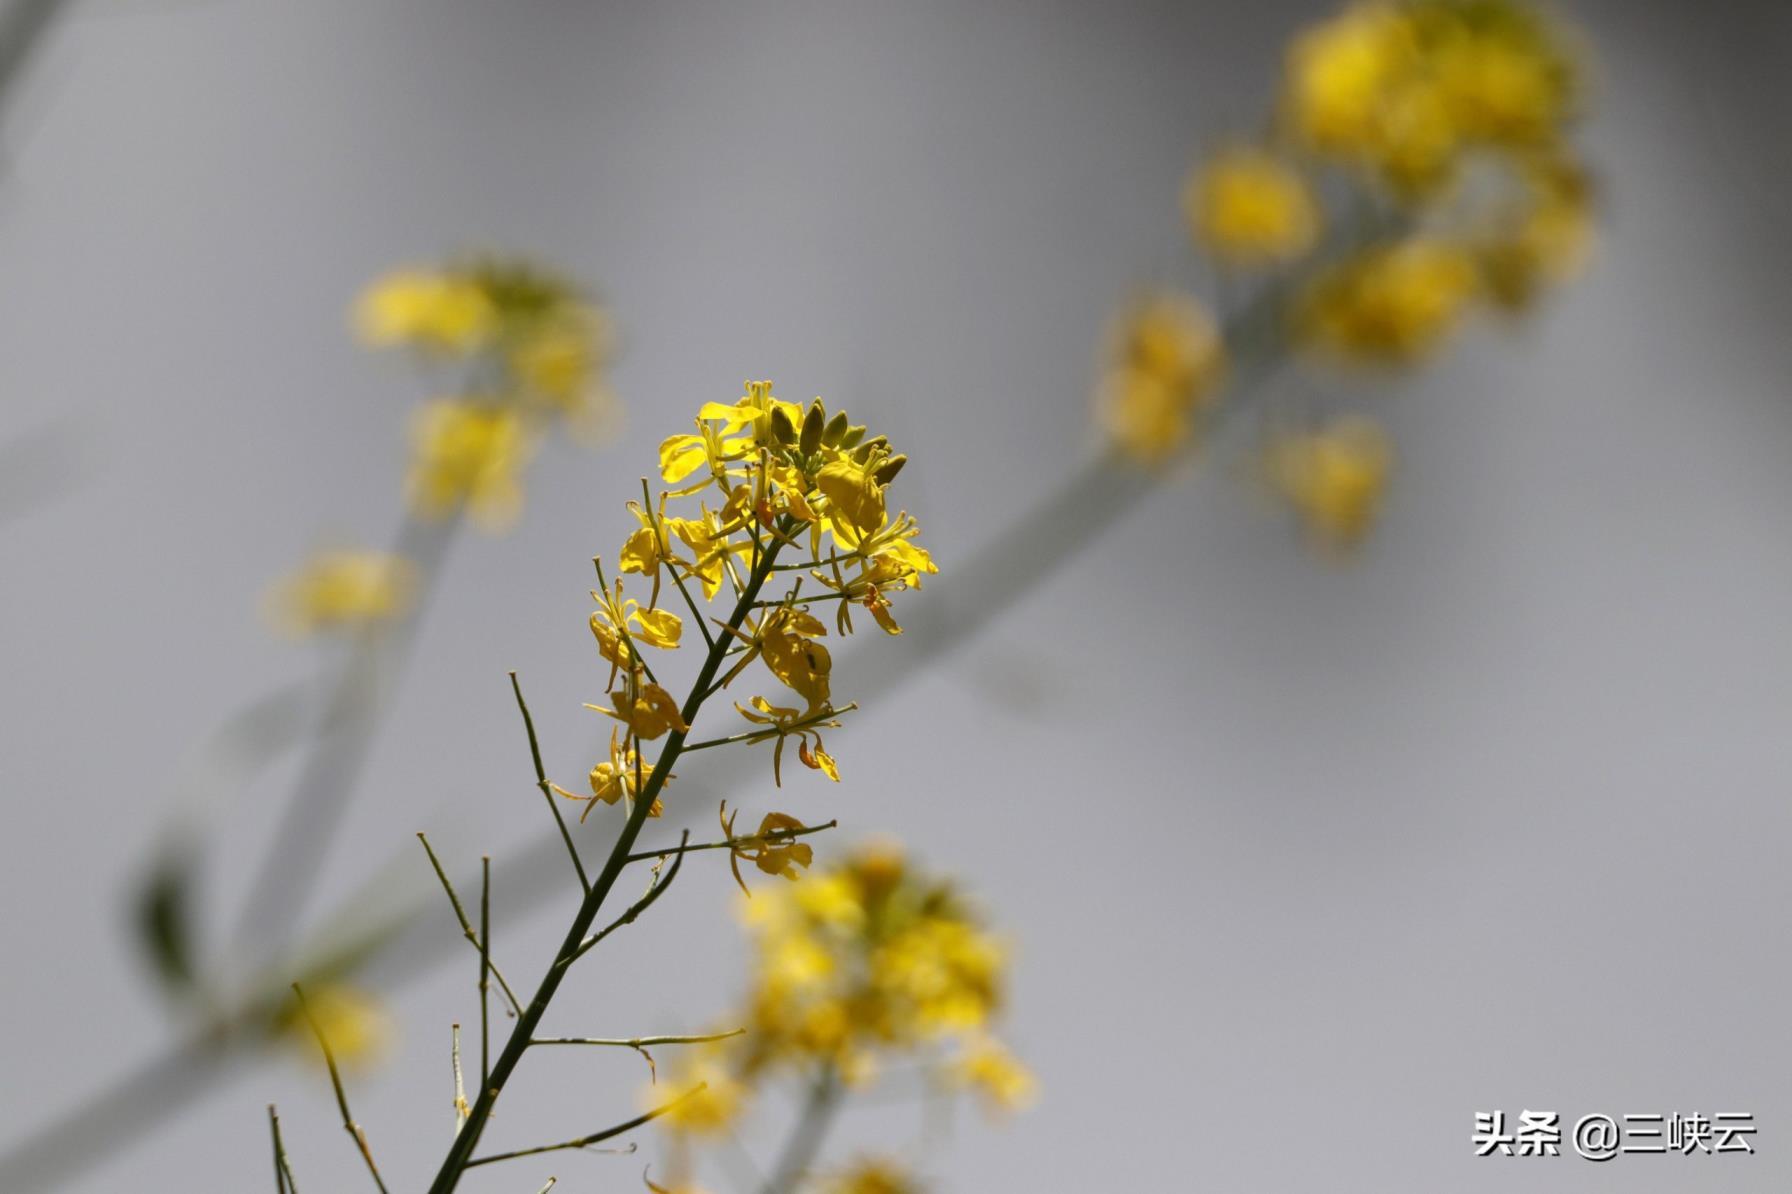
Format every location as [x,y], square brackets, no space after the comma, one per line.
[1250,207]
[645,708]
[1335,478]
[1408,88]
[709,1096]
[343,590]
[874,1175]
[864,957]
[1339,73]
[986,1066]
[357,1026]
[1502,71]
[1390,304]
[615,777]
[431,310]
[1166,361]
[468,454]
[1543,239]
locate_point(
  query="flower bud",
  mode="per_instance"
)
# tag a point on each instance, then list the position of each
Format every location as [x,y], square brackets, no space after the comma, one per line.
[782,431]
[811,441]
[836,428]
[886,472]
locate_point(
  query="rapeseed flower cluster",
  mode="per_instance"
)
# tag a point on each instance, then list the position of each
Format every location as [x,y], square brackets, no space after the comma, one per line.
[756,479]
[530,349]
[867,961]
[343,590]
[1418,166]
[527,351]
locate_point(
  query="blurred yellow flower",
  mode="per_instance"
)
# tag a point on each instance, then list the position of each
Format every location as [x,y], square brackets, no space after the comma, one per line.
[1407,88]
[1339,73]
[709,1097]
[864,958]
[560,357]
[986,1066]
[1250,207]
[874,1175]
[1390,304]
[468,454]
[1334,477]
[1503,72]
[1166,361]
[1544,238]
[431,310]
[342,590]
[357,1026]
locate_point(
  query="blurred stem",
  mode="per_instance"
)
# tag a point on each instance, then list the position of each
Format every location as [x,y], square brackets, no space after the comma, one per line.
[338,755]
[22,29]
[805,1138]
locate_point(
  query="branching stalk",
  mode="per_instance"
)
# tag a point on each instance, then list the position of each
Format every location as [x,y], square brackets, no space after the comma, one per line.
[460,1154]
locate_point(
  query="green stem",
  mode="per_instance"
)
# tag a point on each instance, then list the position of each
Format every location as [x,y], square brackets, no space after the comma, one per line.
[805,1138]
[460,1154]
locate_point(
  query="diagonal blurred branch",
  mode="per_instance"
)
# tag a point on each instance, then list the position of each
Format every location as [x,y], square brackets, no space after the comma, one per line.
[22,29]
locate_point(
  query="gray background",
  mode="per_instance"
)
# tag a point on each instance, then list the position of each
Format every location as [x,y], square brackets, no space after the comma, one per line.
[1304,864]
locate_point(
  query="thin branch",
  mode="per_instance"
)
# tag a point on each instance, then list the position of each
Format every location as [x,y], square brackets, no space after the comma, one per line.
[696,614]
[639,906]
[772,837]
[637,1042]
[283,1182]
[348,1120]
[576,943]
[466,926]
[595,1137]
[773,731]
[547,789]
[485,966]
[461,1110]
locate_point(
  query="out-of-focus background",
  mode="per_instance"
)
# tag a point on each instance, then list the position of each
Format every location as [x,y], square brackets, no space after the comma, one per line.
[1304,864]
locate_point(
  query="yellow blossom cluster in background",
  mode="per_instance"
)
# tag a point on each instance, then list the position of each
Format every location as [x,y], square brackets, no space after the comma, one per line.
[342,590]
[527,350]
[1334,476]
[531,349]
[359,1029]
[867,961]
[1167,362]
[874,1175]
[1418,166]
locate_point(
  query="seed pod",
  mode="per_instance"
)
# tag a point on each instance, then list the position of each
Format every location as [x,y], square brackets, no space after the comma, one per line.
[886,472]
[864,451]
[852,437]
[830,435]
[812,422]
[782,431]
